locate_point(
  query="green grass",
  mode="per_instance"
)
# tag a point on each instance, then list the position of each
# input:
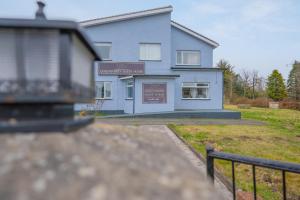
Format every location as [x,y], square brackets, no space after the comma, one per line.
[279,139]
[99,114]
[90,113]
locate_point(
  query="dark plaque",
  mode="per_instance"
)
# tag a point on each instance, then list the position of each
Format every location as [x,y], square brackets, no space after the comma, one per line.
[154,93]
[121,68]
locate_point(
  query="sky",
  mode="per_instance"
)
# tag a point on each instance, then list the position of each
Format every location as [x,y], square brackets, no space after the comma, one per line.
[260,35]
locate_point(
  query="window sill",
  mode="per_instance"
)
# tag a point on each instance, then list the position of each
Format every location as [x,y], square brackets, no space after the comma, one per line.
[128,98]
[103,98]
[188,65]
[150,60]
[195,98]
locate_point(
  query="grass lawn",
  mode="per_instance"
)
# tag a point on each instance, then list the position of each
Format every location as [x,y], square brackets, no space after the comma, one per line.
[279,139]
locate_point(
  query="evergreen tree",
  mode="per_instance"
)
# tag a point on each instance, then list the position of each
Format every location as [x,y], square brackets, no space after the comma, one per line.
[275,86]
[293,83]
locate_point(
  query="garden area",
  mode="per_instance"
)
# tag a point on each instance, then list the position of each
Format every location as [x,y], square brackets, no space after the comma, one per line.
[278,139]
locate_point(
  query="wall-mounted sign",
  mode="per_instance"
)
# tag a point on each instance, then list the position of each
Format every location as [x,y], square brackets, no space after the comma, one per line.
[121,68]
[154,93]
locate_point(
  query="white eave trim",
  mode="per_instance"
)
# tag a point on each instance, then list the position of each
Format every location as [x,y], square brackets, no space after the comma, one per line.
[126,77]
[195,34]
[126,16]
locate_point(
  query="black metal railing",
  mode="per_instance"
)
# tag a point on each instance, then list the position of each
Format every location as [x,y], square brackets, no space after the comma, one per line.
[284,167]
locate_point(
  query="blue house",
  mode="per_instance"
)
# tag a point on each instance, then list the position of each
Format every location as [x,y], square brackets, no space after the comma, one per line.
[153,64]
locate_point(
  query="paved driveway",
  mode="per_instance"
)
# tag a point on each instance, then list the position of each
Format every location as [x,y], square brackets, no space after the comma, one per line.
[101,161]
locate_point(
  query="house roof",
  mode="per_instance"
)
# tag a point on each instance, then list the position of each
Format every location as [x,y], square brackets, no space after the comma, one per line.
[126,16]
[144,13]
[195,34]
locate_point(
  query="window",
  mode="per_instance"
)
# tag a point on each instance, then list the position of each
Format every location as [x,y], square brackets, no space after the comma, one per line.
[188,58]
[150,52]
[104,49]
[129,90]
[195,90]
[103,90]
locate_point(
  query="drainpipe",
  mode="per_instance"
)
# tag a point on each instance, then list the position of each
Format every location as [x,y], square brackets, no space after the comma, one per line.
[133,103]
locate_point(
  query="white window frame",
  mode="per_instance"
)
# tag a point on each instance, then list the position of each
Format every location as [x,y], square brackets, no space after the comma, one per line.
[195,85]
[128,85]
[105,44]
[188,51]
[105,88]
[149,59]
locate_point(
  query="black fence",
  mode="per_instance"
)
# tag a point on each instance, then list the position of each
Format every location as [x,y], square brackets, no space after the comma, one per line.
[254,162]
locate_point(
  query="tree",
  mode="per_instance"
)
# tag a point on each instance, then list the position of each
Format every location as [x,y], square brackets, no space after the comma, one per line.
[293,83]
[254,81]
[275,86]
[238,85]
[228,77]
[246,82]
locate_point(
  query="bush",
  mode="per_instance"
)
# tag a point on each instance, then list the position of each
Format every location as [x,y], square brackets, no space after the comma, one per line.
[260,102]
[83,113]
[241,100]
[290,104]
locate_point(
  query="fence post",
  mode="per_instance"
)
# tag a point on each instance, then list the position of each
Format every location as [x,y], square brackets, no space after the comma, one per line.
[210,163]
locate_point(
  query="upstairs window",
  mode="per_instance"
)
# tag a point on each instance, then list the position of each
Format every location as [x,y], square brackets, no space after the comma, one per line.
[150,51]
[129,90]
[103,90]
[188,58]
[104,49]
[195,90]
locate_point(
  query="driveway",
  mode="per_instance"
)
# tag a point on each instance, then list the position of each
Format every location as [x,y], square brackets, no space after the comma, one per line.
[101,161]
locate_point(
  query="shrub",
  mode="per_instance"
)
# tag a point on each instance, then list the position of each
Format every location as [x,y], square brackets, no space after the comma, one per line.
[290,104]
[82,113]
[241,100]
[260,102]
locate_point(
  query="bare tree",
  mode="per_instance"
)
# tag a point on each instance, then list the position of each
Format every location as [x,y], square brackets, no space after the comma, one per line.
[245,75]
[254,79]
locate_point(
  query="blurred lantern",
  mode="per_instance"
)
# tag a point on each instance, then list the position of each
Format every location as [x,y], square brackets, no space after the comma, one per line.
[46,66]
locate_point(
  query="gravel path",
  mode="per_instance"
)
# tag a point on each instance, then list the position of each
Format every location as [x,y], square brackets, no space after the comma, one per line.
[100,161]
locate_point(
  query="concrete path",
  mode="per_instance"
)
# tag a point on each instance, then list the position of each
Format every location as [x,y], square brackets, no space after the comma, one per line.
[101,161]
[185,121]
[220,187]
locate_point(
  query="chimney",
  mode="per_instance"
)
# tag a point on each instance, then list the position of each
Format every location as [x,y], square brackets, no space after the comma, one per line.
[40,12]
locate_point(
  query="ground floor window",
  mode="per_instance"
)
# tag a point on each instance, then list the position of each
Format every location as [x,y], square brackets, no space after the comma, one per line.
[103,90]
[195,90]
[129,90]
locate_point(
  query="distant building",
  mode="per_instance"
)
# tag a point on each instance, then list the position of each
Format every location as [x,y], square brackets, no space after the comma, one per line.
[153,64]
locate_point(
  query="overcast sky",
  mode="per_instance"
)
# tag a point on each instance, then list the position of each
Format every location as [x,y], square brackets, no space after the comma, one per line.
[253,34]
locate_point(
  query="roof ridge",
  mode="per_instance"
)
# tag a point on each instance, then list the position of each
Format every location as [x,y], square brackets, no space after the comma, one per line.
[89,22]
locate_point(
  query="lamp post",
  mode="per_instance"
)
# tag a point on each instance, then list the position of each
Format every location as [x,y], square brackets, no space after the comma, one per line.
[46,66]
